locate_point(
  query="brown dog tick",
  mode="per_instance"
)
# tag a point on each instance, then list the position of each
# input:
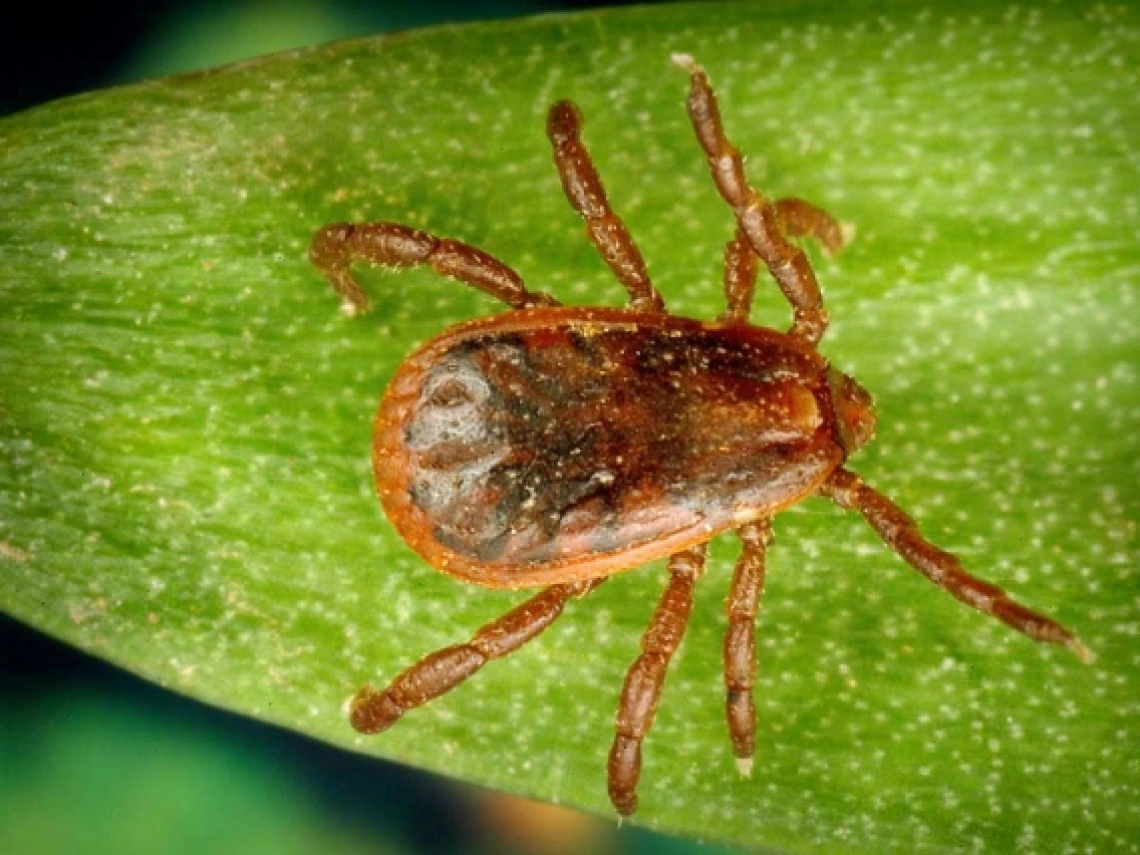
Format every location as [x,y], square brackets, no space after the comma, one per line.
[556,446]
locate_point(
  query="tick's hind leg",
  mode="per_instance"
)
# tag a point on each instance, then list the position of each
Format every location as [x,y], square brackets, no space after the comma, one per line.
[336,247]
[900,533]
[442,671]
[588,197]
[758,220]
[740,642]
[642,690]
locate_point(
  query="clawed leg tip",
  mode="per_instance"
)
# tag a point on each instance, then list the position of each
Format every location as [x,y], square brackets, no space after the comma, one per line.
[686,61]
[365,724]
[356,700]
[370,712]
[744,766]
[625,807]
[846,235]
[1081,652]
[351,309]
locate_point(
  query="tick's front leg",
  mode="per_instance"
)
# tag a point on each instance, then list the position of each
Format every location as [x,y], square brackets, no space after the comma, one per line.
[757,218]
[900,533]
[587,196]
[334,248]
[796,218]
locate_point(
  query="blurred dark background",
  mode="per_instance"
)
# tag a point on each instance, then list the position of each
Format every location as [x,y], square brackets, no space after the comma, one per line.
[95,760]
[49,50]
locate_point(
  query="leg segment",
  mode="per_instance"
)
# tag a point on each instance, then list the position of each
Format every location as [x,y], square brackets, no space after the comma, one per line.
[796,218]
[336,247]
[642,690]
[803,219]
[588,197]
[740,642]
[900,533]
[442,671]
[759,221]
[740,268]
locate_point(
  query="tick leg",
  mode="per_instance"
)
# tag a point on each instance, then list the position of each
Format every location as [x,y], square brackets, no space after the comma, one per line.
[442,671]
[740,266]
[796,218]
[759,221]
[642,690]
[803,219]
[337,246]
[900,533]
[740,642]
[588,197]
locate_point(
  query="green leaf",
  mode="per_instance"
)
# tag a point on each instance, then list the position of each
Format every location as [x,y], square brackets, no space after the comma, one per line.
[185,415]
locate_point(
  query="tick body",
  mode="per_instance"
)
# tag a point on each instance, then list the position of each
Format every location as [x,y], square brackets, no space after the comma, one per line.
[553,446]
[562,444]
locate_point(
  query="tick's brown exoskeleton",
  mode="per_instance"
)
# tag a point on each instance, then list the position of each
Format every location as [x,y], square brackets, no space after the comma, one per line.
[556,446]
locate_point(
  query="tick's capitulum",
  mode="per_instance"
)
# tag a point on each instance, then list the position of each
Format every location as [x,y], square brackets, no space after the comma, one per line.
[555,446]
